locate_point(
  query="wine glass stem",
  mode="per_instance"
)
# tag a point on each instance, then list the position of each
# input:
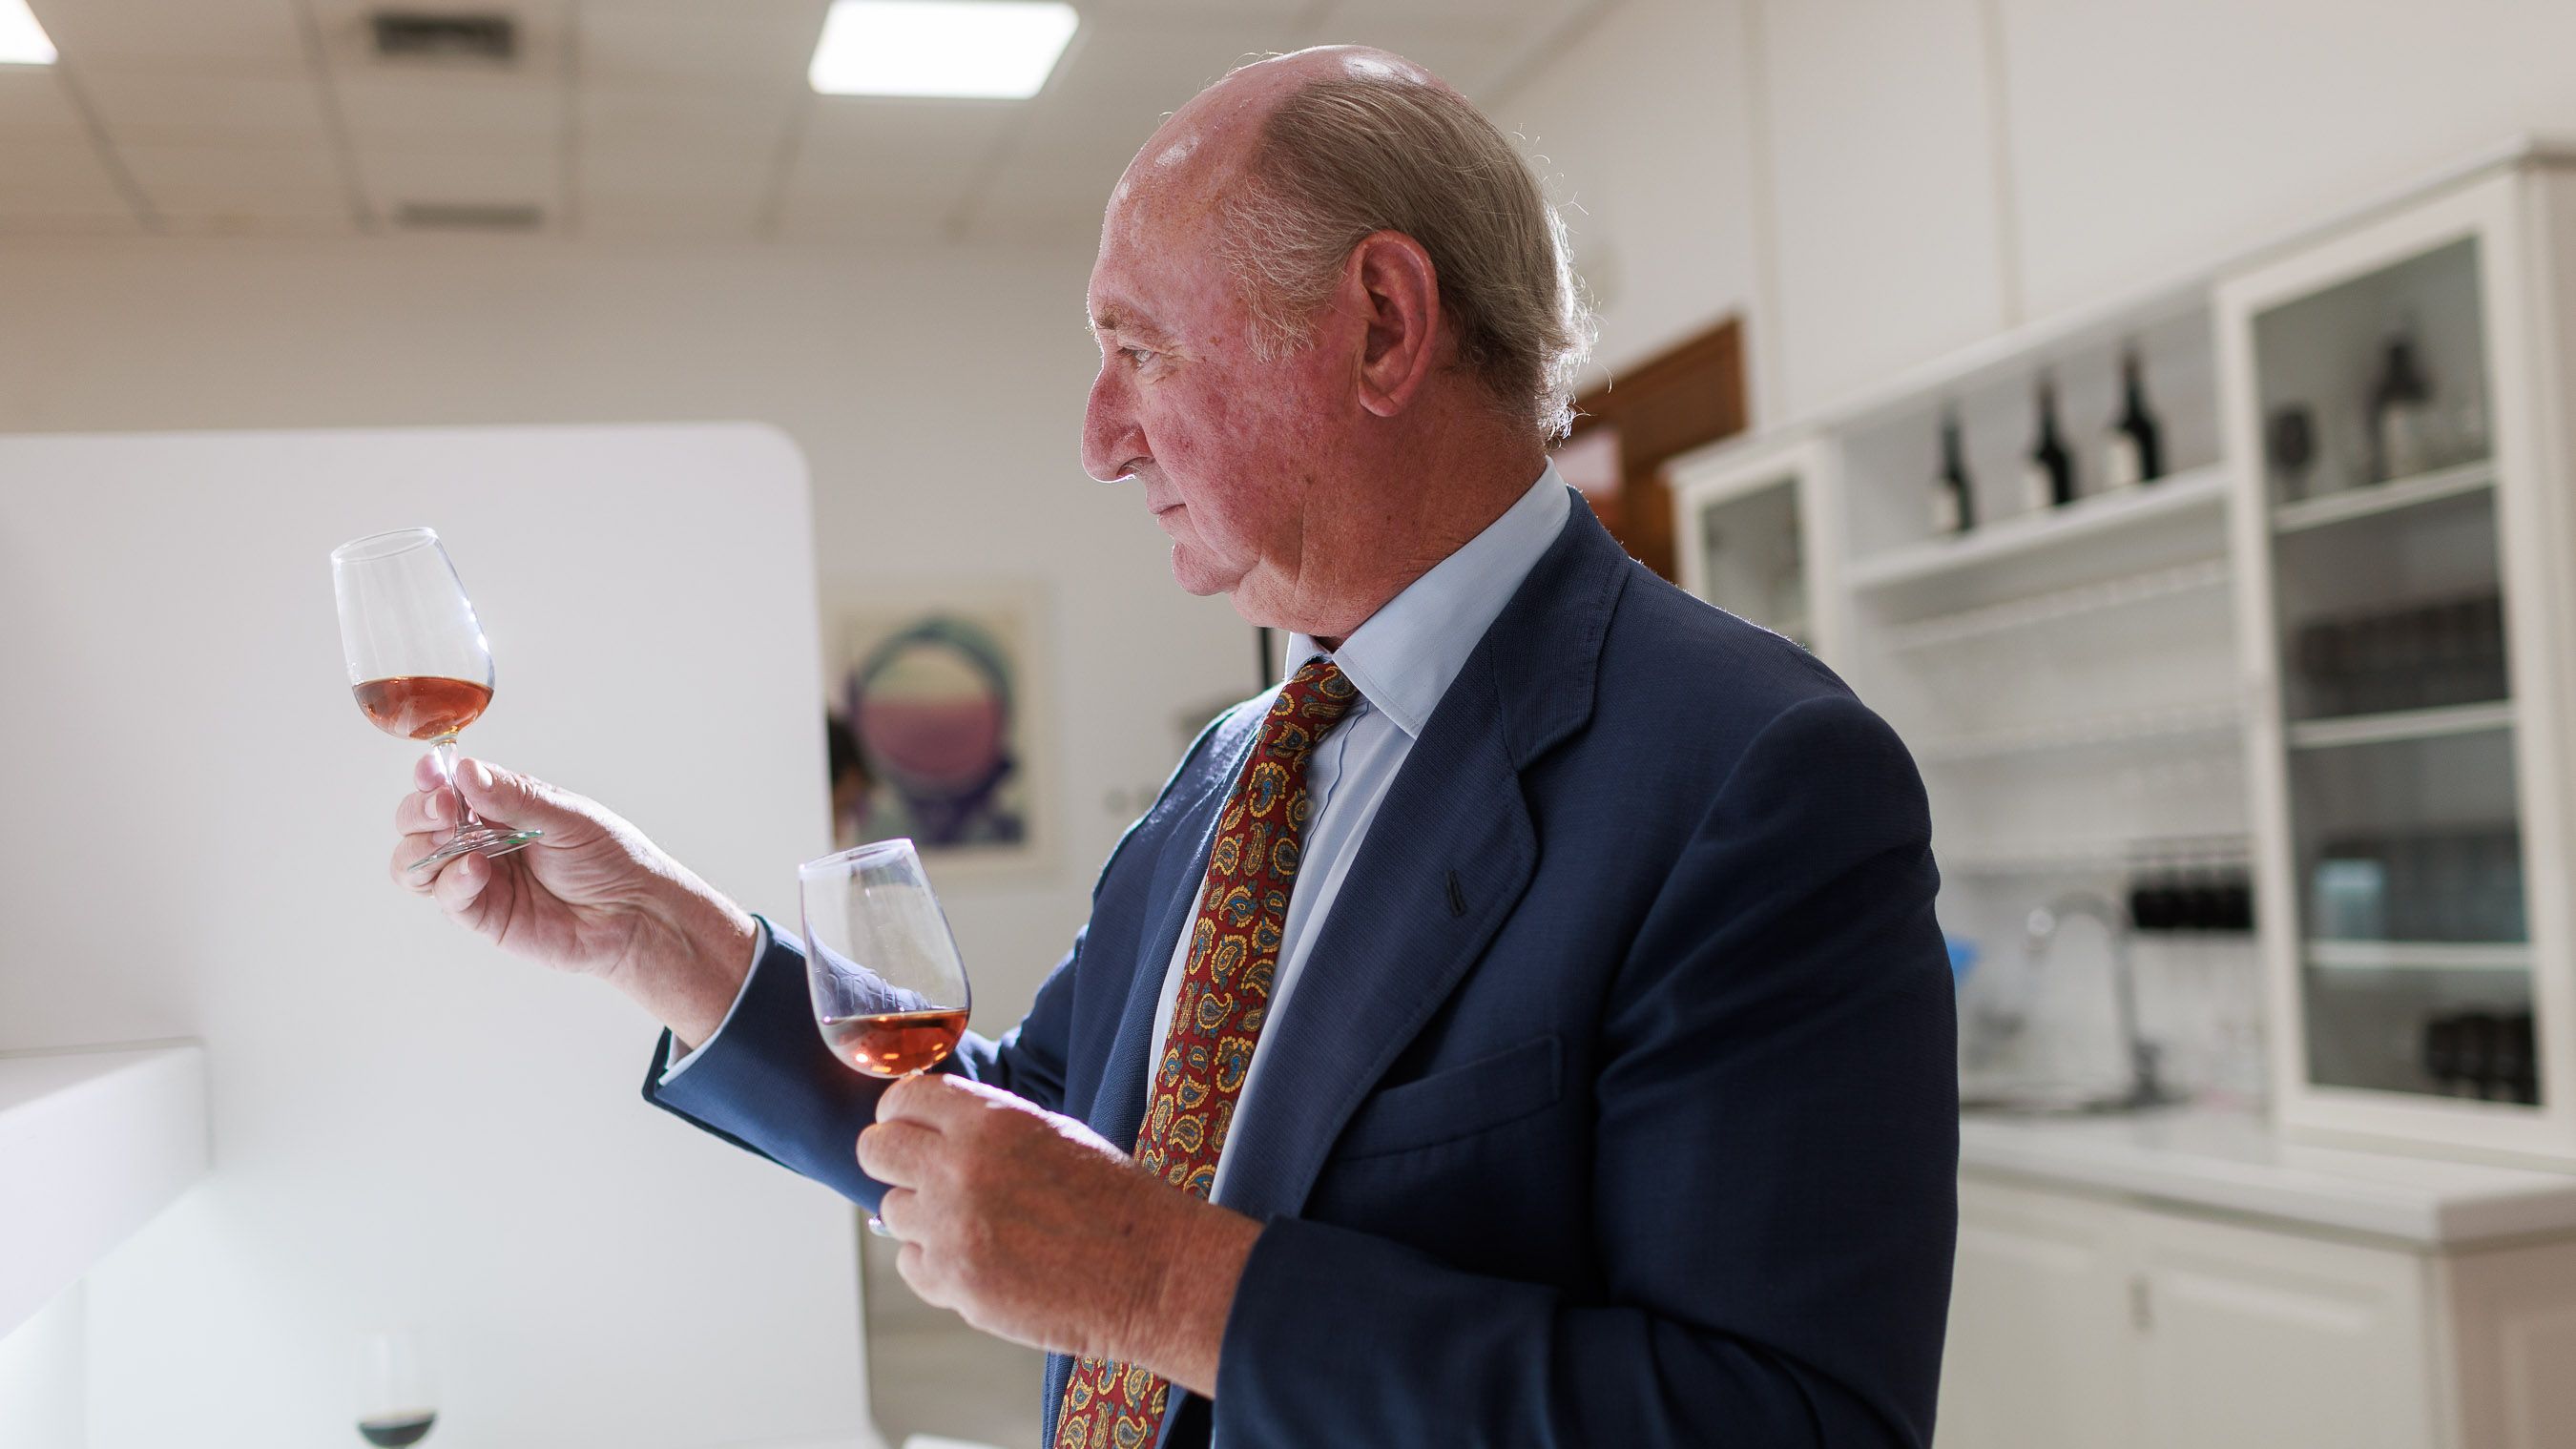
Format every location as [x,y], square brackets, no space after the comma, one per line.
[444,748]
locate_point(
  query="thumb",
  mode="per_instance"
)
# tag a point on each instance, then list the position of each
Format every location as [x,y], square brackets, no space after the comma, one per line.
[506,797]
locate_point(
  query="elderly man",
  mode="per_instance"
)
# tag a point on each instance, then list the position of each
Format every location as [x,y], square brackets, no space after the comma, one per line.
[1525,1026]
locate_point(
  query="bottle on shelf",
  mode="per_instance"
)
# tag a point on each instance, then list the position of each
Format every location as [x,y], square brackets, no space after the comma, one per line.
[2401,416]
[2048,474]
[2133,451]
[1954,507]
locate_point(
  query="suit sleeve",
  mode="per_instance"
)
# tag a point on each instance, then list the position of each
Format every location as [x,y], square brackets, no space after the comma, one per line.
[768,1083]
[1774,1181]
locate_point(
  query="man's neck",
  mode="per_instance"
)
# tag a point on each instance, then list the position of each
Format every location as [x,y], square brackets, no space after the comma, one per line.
[1366,555]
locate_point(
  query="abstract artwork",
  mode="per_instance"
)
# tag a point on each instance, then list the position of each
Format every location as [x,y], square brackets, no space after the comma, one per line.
[942,713]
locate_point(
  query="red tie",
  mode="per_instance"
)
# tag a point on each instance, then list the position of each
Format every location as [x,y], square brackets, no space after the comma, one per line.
[1217,1017]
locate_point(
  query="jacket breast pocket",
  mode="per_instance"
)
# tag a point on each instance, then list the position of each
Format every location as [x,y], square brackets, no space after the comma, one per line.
[1456,1102]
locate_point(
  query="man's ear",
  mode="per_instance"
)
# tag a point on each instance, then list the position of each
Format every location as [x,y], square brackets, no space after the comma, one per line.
[1391,279]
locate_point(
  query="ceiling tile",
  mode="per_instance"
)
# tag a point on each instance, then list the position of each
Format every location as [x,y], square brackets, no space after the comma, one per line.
[623,114]
[471,178]
[853,144]
[349,45]
[731,214]
[34,102]
[64,181]
[258,213]
[413,108]
[172,34]
[260,104]
[1280,12]
[710,170]
[1344,20]
[695,40]
[160,168]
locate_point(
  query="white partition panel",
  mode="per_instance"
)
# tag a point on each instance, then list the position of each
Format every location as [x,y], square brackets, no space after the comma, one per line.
[408,1126]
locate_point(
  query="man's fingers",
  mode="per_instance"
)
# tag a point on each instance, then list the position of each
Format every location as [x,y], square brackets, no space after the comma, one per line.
[896,1153]
[897,1209]
[933,1099]
[422,811]
[460,881]
[506,797]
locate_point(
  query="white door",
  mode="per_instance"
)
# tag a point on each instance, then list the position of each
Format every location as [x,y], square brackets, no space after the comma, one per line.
[2253,1339]
[2038,1355]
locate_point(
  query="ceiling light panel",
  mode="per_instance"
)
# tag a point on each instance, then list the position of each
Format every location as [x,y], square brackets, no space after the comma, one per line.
[976,49]
[22,40]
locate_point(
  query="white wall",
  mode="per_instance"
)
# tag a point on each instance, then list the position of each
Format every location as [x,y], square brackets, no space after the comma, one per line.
[409,1127]
[1873,183]
[937,396]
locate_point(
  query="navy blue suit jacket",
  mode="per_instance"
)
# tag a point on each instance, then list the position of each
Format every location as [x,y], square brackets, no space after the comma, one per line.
[1618,1101]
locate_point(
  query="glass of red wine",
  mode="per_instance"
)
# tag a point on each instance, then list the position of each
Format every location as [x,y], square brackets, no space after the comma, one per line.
[397,1395]
[417,660]
[889,991]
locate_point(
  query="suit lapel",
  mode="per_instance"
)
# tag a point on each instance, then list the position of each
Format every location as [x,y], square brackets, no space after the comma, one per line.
[1118,1107]
[1446,858]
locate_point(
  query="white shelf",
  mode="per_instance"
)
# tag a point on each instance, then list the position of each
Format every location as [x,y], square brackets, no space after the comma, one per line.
[2058,605]
[2101,515]
[2086,857]
[2419,956]
[2399,726]
[92,1145]
[2218,718]
[2369,500]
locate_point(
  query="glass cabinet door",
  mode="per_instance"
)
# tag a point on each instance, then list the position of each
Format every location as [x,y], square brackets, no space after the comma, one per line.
[2391,627]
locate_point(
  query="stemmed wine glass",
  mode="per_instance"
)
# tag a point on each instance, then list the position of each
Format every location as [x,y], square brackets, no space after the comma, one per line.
[397,1394]
[889,991]
[417,660]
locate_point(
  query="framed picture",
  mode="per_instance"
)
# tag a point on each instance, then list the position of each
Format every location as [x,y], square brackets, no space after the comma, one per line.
[943,699]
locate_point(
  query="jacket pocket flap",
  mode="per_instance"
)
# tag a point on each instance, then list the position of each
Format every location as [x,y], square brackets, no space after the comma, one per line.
[1456,1102]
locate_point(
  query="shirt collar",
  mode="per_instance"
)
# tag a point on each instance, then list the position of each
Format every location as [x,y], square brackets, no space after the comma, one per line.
[1403,656]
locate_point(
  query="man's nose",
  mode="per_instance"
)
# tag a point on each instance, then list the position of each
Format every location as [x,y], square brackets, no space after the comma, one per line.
[1111,437]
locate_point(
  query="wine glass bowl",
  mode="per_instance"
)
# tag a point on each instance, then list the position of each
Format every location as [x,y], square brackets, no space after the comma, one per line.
[418,663]
[889,991]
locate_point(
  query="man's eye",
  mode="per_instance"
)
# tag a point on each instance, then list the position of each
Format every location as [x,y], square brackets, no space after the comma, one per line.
[1136,356]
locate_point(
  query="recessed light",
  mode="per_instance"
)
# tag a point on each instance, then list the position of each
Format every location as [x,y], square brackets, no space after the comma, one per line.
[22,40]
[985,49]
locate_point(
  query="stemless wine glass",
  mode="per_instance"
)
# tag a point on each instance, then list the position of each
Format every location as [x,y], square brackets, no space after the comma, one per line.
[889,991]
[397,1396]
[417,660]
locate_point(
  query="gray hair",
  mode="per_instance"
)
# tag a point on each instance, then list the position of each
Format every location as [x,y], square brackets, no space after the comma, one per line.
[1343,157]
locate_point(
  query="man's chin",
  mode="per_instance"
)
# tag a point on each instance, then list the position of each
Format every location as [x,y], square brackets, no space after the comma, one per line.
[1197,577]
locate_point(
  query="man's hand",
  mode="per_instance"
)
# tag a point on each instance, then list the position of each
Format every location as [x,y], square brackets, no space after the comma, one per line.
[592,895]
[1033,1228]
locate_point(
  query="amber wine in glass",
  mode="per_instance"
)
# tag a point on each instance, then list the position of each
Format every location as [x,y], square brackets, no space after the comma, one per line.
[417,660]
[889,991]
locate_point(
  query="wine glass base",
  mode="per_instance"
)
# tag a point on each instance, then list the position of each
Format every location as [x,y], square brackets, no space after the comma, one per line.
[483,841]
[877,1226]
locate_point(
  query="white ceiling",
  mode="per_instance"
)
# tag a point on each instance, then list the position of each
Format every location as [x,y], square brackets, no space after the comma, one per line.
[636,118]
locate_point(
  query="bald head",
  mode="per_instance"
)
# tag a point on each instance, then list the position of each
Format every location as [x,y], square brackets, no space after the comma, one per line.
[1296,158]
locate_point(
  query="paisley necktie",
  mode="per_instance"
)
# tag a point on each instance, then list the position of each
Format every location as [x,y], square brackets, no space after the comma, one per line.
[1218,1014]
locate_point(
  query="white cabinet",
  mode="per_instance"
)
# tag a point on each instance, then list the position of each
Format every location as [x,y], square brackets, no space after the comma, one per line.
[2080,1321]
[2039,1324]
[2252,1338]
[2395,418]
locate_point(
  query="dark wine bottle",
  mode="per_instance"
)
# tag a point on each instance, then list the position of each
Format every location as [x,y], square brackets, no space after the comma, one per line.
[2401,410]
[1954,506]
[2134,451]
[2048,475]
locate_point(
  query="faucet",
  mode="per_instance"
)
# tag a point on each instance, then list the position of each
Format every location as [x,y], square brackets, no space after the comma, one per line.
[2145,1090]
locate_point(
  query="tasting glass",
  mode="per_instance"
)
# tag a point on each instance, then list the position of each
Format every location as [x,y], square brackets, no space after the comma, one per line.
[889,992]
[417,660]
[396,1392]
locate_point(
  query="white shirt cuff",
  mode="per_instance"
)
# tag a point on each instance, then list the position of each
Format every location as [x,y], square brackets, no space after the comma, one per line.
[680,1062]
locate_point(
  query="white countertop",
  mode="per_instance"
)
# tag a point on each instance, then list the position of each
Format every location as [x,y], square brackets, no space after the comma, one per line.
[2233,1162]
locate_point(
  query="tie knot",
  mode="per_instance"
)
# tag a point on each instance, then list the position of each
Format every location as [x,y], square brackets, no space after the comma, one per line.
[1312,701]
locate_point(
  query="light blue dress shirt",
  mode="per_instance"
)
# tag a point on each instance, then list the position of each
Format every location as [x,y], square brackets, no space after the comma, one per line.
[1402,660]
